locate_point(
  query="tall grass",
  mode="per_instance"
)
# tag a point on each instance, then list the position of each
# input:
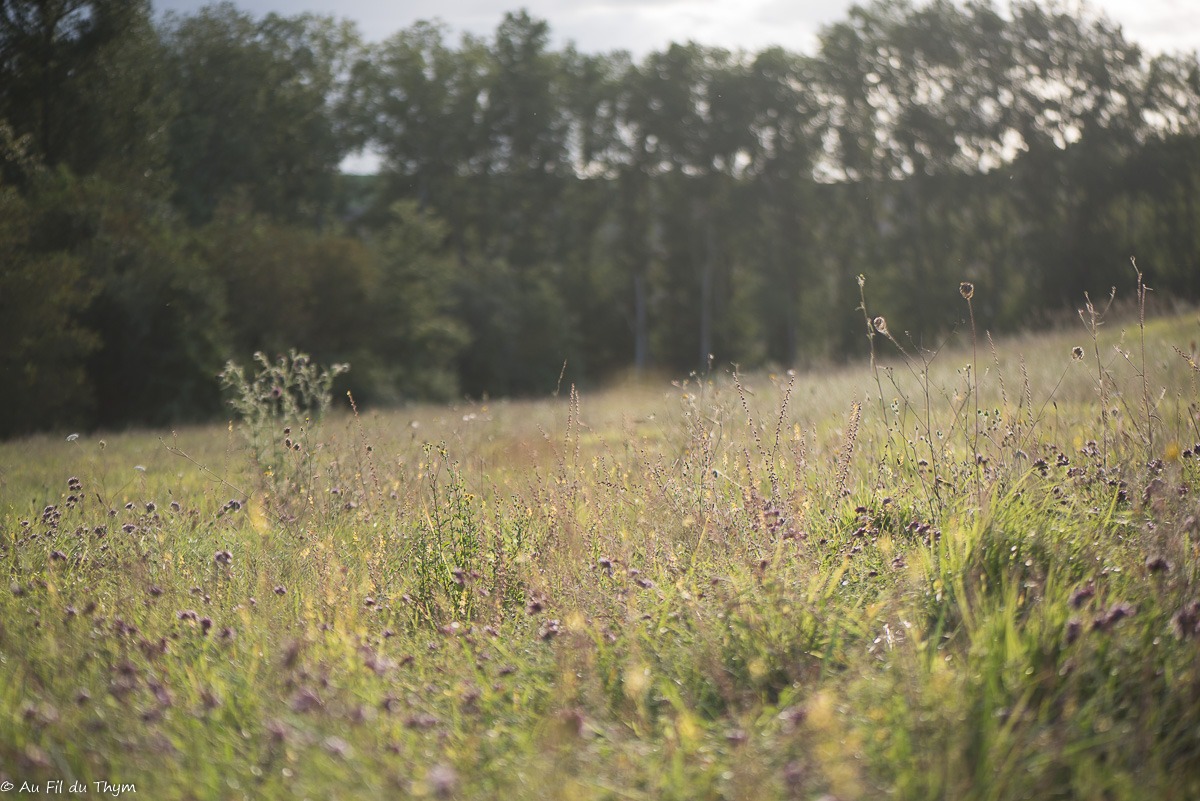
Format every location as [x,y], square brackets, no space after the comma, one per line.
[907,579]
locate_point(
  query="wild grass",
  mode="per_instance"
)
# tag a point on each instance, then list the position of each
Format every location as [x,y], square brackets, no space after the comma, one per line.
[930,577]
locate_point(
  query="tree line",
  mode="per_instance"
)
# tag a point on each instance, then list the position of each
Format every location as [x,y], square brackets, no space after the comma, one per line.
[170,196]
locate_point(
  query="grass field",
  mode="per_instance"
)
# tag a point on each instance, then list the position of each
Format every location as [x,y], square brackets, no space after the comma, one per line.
[965,576]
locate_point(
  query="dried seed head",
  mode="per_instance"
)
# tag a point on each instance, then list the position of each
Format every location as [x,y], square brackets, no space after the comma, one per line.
[1077,353]
[967,290]
[881,326]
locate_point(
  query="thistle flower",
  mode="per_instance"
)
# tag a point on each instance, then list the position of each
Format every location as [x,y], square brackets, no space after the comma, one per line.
[1157,564]
[337,747]
[442,780]
[1118,611]
[306,700]
[277,730]
[1186,621]
[1081,595]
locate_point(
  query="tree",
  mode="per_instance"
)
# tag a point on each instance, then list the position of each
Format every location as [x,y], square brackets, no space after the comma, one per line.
[695,127]
[417,337]
[42,294]
[787,122]
[79,77]
[528,156]
[420,103]
[257,104]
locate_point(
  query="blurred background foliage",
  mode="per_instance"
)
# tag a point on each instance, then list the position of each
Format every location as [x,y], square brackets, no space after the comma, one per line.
[170,196]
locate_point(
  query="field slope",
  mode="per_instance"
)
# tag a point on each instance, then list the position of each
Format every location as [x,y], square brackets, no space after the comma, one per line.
[962,575]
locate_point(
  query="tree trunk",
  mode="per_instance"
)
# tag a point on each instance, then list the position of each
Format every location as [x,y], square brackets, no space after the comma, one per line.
[707,269]
[641,328]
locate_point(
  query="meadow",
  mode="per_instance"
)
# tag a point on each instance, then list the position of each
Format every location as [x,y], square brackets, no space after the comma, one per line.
[967,571]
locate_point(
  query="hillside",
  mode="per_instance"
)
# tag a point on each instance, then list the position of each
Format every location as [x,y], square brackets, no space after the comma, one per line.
[849,583]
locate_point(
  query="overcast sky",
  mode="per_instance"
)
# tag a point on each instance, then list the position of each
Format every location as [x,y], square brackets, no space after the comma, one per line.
[641,26]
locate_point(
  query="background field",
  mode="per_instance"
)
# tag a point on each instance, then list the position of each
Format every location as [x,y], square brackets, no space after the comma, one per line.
[765,586]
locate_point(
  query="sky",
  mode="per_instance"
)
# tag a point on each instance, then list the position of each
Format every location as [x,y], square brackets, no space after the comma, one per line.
[642,26]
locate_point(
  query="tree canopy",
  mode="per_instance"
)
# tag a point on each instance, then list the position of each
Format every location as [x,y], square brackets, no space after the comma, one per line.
[171,195]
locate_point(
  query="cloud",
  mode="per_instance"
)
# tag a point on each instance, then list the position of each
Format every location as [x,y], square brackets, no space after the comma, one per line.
[811,14]
[641,26]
